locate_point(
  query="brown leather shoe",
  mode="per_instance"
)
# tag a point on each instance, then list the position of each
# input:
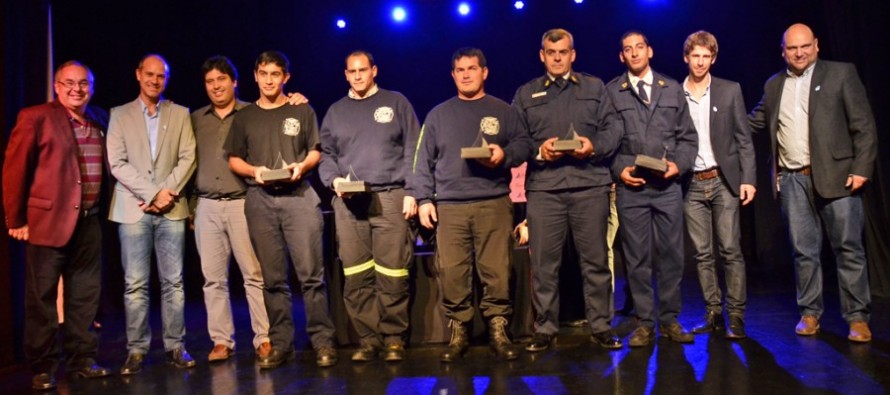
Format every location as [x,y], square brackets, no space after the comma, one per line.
[219,353]
[808,326]
[263,350]
[641,337]
[859,332]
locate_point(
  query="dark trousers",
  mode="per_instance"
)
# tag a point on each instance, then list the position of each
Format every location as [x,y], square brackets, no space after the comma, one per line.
[282,224]
[78,263]
[374,244]
[480,232]
[652,240]
[550,214]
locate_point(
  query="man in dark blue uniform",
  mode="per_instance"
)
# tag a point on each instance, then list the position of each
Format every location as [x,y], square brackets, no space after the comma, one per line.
[469,198]
[370,135]
[568,189]
[650,203]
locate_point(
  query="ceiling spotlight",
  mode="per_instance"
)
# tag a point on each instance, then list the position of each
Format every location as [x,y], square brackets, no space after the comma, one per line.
[341,23]
[463,9]
[399,14]
[519,5]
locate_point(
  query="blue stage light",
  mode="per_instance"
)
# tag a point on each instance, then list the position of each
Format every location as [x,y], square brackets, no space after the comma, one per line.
[519,5]
[463,9]
[579,1]
[399,14]
[341,23]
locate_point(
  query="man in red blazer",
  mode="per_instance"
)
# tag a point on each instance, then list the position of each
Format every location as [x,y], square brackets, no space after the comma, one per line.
[52,178]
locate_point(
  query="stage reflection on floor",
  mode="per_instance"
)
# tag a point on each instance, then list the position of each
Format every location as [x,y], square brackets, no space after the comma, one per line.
[773,360]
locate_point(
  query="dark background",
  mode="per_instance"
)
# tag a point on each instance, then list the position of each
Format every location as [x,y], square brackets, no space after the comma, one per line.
[413,57]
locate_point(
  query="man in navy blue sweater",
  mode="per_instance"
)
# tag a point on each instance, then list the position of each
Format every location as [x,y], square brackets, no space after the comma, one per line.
[472,197]
[370,136]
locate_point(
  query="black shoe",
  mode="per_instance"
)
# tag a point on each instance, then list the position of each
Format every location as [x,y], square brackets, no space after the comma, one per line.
[641,337]
[365,353]
[542,342]
[325,356]
[675,332]
[606,339]
[736,329]
[133,364]
[394,352]
[500,343]
[43,382]
[180,358]
[459,343]
[713,321]
[88,370]
[275,359]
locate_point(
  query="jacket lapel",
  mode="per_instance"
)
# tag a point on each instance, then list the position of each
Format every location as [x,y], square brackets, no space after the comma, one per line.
[815,88]
[163,120]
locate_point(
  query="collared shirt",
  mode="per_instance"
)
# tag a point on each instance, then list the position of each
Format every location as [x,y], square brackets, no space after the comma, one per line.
[647,80]
[90,158]
[354,96]
[151,124]
[213,179]
[794,123]
[699,110]
[565,76]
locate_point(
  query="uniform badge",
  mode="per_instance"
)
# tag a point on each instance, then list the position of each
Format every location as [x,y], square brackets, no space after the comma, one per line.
[383,114]
[490,126]
[660,82]
[539,94]
[624,85]
[818,88]
[291,126]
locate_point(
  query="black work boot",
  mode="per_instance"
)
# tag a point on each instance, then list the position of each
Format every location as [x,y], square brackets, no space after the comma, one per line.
[501,346]
[459,343]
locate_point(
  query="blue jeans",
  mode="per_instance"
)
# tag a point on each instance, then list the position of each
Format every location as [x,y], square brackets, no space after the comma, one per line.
[711,209]
[806,214]
[167,239]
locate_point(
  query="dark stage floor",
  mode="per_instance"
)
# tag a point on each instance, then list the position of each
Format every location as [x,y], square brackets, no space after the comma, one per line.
[773,360]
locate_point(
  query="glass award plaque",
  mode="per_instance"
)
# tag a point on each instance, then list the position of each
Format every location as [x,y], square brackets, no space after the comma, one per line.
[277,174]
[569,142]
[352,184]
[477,151]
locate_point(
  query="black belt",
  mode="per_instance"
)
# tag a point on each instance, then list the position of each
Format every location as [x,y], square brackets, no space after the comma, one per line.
[90,211]
[223,198]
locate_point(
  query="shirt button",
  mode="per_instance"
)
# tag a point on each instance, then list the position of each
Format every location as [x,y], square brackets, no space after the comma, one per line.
[77,207]
[78,182]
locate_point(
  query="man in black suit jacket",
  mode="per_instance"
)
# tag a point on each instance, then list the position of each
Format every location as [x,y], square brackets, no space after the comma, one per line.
[656,123]
[723,174]
[824,140]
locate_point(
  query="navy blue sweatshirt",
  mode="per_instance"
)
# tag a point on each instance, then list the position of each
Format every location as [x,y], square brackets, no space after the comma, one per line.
[439,172]
[376,136]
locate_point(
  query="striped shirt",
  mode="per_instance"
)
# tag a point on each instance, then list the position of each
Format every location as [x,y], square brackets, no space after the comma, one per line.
[90,157]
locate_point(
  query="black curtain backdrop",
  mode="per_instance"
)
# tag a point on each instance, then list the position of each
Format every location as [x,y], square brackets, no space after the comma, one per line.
[413,57]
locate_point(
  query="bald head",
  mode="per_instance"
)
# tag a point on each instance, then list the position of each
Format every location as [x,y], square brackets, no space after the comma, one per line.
[800,48]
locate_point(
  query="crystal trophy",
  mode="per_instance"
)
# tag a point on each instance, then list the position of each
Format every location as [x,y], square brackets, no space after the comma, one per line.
[479,151]
[569,142]
[277,174]
[350,186]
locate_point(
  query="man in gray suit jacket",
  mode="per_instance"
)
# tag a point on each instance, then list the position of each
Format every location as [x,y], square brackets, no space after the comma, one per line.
[151,151]
[824,140]
[723,173]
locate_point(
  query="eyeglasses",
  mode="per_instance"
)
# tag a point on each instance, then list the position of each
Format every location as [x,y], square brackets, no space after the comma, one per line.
[70,84]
